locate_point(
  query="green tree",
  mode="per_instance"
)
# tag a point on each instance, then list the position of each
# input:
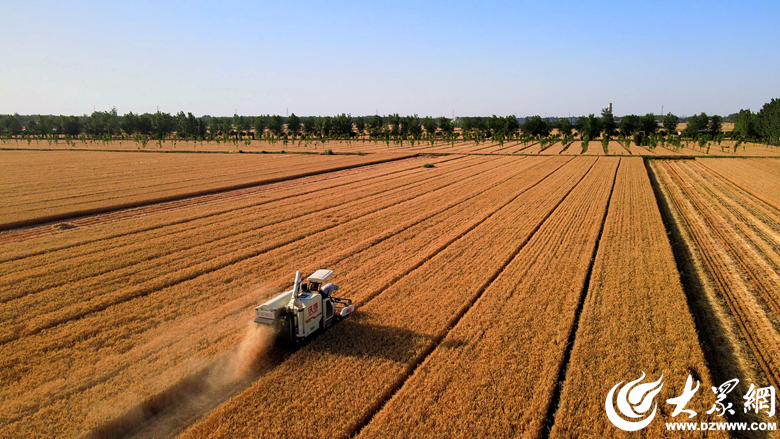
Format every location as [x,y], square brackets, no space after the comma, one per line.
[565,127]
[629,124]
[511,125]
[69,125]
[94,125]
[342,126]
[375,125]
[581,125]
[536,126]
[360,125]
[608,124]
[670,123]
[293,125]
[309,125]
[46,125]
[145,124]
[648,125]
[446,126]
[13,126]
[769,120]
[697,124]
[593,127]
[129,124]
[412,125]
[162,125]
[260,124]
[430,125]
[716,125]
[276,125]
[746,125]
[112,122]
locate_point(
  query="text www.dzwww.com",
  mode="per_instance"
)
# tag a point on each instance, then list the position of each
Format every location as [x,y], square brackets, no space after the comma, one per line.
[737,426]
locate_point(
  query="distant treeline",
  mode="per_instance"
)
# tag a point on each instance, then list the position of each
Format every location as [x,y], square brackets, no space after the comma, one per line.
[160,126]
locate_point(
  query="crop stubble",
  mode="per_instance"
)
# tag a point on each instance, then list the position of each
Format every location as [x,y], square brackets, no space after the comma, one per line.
[735,242]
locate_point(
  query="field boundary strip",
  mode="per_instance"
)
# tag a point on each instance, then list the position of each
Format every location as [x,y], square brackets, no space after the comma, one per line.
[168,151]
[121,206]
[471,301]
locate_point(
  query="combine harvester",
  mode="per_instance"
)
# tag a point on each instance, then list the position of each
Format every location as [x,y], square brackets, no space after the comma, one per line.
[304,310]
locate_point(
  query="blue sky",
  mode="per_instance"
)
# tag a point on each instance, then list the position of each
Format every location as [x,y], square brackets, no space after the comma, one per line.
[428,58]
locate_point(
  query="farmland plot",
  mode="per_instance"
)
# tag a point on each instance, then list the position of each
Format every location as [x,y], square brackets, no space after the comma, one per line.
[735,245]
[377,349]
[38,186]
[126,350]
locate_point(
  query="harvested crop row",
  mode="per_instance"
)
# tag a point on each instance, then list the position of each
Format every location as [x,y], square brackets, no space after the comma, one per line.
[746,226]
[377,348]
[197,297]
[142,273]
[635,319]
[28,202]
[759,177]
[722,265]
[476,380]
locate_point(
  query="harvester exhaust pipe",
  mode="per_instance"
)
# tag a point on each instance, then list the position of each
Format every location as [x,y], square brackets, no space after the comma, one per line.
[297,287]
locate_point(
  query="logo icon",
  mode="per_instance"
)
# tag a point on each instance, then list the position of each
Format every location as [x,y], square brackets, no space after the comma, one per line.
[633,401]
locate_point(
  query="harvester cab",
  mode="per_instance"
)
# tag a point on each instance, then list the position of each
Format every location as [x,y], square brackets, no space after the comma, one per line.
[306,309]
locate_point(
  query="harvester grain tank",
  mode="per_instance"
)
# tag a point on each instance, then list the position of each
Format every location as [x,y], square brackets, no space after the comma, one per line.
[306,309]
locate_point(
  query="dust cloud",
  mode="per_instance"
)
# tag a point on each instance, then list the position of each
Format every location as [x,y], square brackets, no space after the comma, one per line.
[257,340]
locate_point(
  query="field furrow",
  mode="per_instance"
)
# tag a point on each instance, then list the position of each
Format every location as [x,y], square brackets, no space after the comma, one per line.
[243,217]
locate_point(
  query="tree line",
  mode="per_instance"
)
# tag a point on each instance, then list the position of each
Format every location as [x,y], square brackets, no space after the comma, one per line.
[643,130]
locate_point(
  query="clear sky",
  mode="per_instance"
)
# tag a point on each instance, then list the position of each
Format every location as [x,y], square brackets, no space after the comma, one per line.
[427,57]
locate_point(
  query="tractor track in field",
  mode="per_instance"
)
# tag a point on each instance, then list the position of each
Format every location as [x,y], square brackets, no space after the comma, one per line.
[471,301]
[12,225]
[162,406]
[77,221]
[160,285]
